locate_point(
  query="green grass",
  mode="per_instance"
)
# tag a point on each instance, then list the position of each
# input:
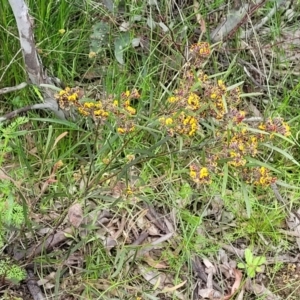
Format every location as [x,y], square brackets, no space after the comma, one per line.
[123,174]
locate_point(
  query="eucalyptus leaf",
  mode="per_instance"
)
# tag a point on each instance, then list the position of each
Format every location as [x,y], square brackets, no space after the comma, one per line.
[99,37]
[121,43]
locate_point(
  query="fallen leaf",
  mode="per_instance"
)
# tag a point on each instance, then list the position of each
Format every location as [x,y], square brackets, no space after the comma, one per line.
[261,290]
[199,17]
[238,279]
[173,288]
[151,262]
[75,215]
[61,136]
[206,293]
[154,277]
[110,243]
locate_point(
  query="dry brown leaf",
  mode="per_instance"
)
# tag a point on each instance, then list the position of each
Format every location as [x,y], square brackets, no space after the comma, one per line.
[156,278]
[51,241]
[208,264]
[61,136]
[173,288]
[110,243]
[74,259]
[151,262]
[152,229]
[199,18]
[169,225]
[207,293]
[141,222]
[75,215]
[238,279]
[261,290]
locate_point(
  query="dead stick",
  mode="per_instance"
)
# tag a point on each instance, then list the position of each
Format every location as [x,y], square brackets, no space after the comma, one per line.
[47,245]
[13,88]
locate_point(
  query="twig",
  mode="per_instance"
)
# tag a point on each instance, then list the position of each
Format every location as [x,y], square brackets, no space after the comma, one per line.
[33,287]
[18,111]
[253,119]
[13,88]
[51,241]
[277,193]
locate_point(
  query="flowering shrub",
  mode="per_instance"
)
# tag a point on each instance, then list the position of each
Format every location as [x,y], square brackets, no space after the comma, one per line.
[200,98]
[197,99]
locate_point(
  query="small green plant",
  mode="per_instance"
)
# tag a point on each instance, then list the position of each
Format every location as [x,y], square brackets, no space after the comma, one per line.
[12,214]
[253,264]
[11,271]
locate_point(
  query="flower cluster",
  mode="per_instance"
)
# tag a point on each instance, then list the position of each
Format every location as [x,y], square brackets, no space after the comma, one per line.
[122,110]
[125,111]
[180,123]
[69,97]
[200,98]
[199,52]
[238,143]
[258,176]
[93,109]
[200,175]
[277,125]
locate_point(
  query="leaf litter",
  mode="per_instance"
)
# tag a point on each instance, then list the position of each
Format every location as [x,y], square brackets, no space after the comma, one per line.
[149,231]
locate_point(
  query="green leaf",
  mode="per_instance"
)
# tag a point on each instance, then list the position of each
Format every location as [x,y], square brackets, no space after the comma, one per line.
[225,179]
[281,151]
[185,191]
[121,43]
[248,256]
[259,269]
[99,37]
[259,260]
[241,265]
[255,162]
[251,272]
